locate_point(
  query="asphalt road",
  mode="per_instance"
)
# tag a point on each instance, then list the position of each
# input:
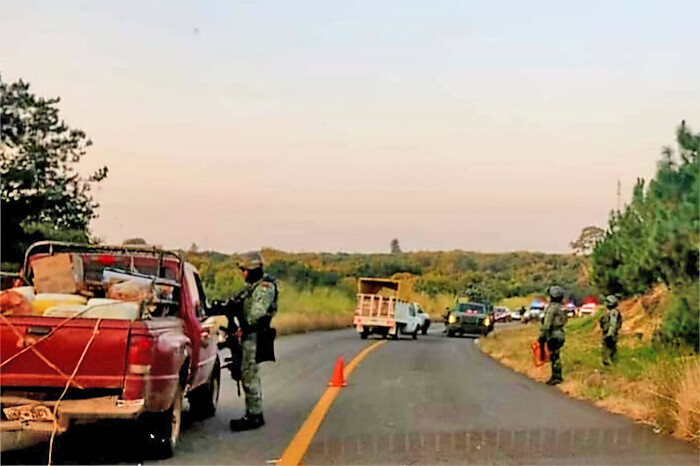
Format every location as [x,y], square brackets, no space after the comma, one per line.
[431,401]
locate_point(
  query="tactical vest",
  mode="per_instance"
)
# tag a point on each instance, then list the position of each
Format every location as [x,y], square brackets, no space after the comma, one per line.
[605,322]
[559,318]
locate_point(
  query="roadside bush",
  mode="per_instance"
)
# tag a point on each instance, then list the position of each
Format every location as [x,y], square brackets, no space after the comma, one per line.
[301,275]
[681,321]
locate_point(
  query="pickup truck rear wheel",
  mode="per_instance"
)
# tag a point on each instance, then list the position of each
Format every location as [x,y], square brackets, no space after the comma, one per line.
[164,429]
[204,399]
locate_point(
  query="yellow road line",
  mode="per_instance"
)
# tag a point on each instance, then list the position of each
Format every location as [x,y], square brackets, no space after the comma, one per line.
[296,449]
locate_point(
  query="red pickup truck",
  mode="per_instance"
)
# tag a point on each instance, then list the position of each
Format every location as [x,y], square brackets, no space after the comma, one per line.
[108,359]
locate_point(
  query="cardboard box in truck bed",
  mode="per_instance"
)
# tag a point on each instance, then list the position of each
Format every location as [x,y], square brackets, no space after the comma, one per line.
[60,273]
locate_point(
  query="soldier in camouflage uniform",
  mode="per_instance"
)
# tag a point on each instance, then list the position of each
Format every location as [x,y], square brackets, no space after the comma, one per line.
[610,323]
[259,299]
[552,332]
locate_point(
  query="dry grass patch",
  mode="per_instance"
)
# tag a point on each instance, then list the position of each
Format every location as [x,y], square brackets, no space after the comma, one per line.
[643,315]
[688,401]
[677,393]
[512,349]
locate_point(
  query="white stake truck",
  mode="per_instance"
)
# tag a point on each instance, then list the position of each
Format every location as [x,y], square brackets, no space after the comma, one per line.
[381,310]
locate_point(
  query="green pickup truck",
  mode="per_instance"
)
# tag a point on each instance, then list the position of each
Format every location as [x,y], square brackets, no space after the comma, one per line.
[469,317]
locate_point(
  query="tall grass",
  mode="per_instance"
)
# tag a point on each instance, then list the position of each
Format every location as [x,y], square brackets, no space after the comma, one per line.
[319,300]
[677,396]
[317,308]
[688,401]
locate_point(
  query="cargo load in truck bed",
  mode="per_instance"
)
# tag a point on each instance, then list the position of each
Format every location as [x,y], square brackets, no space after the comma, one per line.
[104,332]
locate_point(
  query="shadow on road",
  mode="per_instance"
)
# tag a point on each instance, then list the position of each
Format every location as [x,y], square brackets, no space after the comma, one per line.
[93,444]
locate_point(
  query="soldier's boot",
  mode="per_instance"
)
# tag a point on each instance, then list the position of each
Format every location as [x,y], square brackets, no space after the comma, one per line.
[613,352]
[556,378]
[247,422]
[608,353]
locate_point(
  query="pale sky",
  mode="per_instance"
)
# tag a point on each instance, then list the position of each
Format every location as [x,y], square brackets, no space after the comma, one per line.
[338,125]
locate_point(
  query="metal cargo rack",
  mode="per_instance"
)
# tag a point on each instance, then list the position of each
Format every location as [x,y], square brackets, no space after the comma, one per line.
[53,247]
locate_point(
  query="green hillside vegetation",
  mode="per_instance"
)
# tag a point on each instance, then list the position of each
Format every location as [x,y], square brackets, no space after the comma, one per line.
[654,240]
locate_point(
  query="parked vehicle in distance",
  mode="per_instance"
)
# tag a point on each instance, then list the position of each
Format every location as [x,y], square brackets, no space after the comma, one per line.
[536,311]
[134,322]
[501,314]
[423,319]
[381,310]
[467,317]
[517,314]
[570,309]
[589,308]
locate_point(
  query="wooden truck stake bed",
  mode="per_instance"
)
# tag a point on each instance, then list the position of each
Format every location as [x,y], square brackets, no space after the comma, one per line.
[380,310]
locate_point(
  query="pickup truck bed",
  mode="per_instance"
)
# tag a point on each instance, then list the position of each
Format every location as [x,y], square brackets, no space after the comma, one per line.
[79,370]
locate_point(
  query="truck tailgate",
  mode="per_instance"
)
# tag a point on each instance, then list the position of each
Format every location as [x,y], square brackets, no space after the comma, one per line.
[103,366]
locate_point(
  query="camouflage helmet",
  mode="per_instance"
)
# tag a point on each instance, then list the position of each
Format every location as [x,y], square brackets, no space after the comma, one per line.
[611,301]
[556,292]
[250,260]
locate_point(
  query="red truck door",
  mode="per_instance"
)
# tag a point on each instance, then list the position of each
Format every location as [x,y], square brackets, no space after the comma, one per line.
[204,341]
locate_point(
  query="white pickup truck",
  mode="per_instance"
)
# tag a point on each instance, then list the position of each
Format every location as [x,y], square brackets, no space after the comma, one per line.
[380,310]
[423,319]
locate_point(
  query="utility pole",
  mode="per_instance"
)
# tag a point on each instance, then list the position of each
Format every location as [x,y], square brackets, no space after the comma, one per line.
[619,194]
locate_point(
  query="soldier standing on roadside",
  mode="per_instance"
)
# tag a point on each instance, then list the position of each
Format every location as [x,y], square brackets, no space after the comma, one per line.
[552,332]
[610,323]
[259,298]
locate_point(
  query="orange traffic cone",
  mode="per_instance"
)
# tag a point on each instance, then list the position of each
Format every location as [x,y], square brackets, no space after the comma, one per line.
[338,379]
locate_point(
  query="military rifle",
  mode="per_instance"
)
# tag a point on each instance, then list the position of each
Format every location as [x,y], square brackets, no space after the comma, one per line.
[233,308]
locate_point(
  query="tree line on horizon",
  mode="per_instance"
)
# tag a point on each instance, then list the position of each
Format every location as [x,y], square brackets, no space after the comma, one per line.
[494,275]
